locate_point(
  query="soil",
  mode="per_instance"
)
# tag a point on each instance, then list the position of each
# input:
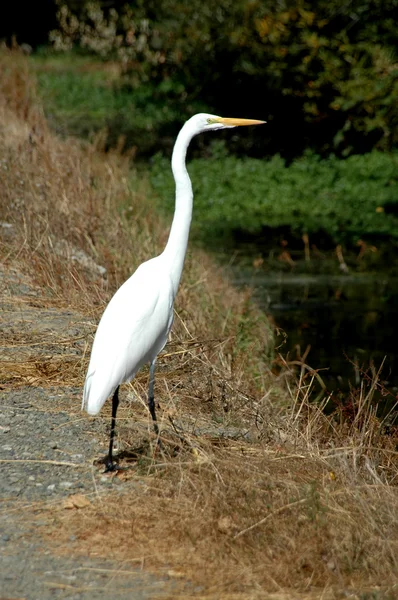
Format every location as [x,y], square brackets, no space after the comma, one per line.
[48,449]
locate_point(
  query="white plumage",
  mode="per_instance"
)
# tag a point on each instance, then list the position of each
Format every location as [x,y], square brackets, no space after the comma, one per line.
[134,329]
[136,323]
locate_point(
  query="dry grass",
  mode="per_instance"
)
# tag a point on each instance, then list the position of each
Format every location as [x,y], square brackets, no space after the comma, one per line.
[257,493]
[315,513]
[73,211]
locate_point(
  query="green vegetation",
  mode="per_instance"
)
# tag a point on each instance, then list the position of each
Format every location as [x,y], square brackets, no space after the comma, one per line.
[324,74]
[83,96]
[80,103]
[349,199]
[332,200]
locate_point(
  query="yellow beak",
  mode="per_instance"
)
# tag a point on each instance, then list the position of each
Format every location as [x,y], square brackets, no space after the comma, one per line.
[238,122]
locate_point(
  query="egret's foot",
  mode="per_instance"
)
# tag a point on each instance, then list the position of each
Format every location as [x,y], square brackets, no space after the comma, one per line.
[110,466]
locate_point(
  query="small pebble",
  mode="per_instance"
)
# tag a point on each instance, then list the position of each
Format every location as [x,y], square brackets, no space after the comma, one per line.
[65,485]
[51,487]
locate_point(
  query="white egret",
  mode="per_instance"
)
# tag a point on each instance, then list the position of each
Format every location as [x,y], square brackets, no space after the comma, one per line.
[136,323]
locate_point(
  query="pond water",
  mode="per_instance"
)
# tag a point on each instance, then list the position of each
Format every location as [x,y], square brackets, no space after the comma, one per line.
[348,321]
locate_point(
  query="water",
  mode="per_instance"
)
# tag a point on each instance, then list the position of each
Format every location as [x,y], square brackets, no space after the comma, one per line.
[348,321]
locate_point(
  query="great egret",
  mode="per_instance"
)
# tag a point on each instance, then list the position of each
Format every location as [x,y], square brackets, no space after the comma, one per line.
[136,323]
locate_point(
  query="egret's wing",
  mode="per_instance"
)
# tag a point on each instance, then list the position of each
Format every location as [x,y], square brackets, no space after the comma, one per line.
[132,331]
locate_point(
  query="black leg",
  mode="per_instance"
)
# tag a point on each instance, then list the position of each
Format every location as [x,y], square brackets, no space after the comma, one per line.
[110,465]
[151,397]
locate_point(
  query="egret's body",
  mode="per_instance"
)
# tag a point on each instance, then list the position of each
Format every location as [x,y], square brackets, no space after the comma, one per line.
[140,310]
[136,323]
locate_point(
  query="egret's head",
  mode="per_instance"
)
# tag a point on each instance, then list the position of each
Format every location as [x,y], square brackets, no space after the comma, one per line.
[205,122]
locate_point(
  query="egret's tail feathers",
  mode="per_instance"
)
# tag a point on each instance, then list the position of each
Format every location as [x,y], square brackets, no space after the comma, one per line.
[93,396]
[86,390]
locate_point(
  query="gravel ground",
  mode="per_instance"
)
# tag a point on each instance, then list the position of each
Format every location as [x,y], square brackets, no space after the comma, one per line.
[47,453]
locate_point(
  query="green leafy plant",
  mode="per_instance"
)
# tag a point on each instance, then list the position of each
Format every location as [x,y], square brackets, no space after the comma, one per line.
[349,199]
[325,73]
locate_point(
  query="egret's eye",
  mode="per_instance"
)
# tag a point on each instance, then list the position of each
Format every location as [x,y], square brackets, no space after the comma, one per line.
[211,121]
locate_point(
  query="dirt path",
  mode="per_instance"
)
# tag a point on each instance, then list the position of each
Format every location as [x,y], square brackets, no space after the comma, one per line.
[47,450]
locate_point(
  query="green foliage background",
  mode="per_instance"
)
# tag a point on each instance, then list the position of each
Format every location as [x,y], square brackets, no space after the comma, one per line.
[344,199]
[323,73]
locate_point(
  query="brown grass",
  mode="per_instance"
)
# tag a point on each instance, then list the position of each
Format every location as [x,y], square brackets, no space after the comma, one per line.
[313,514]
[258,493]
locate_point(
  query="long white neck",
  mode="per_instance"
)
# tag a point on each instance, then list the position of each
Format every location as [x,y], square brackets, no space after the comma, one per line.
[177,243]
